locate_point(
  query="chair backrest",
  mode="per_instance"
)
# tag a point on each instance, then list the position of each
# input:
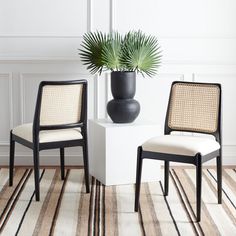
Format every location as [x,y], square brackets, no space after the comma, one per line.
[61,104]
[194,107]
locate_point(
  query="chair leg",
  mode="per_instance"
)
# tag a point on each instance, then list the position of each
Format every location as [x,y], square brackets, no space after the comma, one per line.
[199,186]
[219,177]
[138,178]
[11,161]
[167,167]
[86,163]
[62,158]
[36,173]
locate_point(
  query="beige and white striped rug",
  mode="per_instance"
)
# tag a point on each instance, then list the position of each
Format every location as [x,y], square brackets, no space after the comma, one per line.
[65,208]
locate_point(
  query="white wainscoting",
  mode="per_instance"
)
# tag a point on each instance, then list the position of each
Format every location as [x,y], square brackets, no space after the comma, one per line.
[18,99]
[40,41]
[6,115]
[19,91]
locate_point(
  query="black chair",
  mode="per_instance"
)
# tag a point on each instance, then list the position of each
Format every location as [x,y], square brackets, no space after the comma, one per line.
[193,107]
[60,121]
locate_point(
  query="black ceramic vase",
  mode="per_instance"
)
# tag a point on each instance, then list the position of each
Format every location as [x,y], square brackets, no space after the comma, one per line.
[123,108]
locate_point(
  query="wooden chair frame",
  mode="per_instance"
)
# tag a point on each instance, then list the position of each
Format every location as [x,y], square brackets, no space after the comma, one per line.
[37,147]
[196,160]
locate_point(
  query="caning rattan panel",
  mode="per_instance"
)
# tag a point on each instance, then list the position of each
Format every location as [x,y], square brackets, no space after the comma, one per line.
[61,104]
[194,107]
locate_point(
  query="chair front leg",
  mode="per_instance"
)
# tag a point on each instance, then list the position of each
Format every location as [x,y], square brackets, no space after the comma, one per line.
[36,172]
[138,178]
[62,159]
[86,163]
[167,167]
[219,177]
[11,160]
[199,186]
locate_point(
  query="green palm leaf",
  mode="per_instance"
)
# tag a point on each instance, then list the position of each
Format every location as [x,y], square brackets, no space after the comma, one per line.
[141,53]
[133,52]
[91,51]
[112,52]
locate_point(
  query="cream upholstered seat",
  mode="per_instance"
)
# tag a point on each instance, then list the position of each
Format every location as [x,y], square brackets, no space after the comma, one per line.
[181,145]
[196,108]
[60,121]
[25,131]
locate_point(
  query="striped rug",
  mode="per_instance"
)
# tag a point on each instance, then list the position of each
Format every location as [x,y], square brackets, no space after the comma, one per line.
[65,208]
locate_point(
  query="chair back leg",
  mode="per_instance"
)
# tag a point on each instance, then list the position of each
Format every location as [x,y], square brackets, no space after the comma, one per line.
[36,173]
[62,159]
[86,163]
[219,177]
[11,161]
[138,178]
[167,167]
[199,186]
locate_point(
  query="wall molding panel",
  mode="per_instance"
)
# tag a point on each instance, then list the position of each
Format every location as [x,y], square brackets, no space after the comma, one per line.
[8,110]
[22,100]
[35,48]
[27,83]
[100,94]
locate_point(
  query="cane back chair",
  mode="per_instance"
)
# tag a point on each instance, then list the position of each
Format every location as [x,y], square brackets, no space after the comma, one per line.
[60,121]
[196,108]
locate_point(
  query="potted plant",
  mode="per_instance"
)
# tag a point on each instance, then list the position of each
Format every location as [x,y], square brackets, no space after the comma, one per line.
[124,56]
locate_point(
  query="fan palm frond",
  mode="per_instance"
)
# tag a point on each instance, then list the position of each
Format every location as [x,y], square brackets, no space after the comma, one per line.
[141,53]
[133,52]
[92,45]
[112,52]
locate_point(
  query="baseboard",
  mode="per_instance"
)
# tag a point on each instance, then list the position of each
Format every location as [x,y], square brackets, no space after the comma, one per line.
[77,160]
[73,157]
[24,156]
[226,162]
[204,167]
[44,167]
[81,167]
[45,160]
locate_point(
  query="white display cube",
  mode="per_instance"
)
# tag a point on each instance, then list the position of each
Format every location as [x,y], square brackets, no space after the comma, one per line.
[113,151]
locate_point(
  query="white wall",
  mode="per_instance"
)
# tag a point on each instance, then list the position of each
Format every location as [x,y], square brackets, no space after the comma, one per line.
[39,41]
